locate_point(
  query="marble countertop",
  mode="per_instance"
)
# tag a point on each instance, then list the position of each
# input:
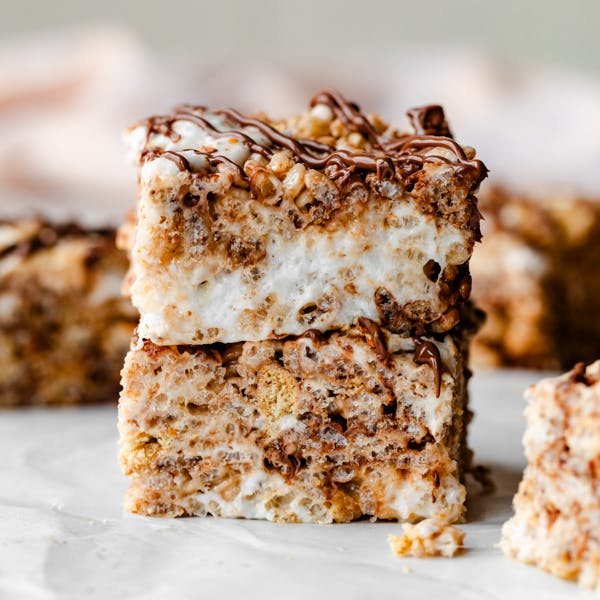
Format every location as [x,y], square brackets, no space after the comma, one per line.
[63,533]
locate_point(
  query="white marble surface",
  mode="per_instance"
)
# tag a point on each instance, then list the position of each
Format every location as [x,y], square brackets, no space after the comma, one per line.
[63,534]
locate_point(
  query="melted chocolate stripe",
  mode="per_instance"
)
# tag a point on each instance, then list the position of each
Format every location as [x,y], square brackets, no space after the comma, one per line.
[183,164]
[180,161]
[427,353]
[375,338]
[348,112]
[423,143]
[343,159]
[405,154]
[204,124]
[429,120]
[275,137]
[578,374]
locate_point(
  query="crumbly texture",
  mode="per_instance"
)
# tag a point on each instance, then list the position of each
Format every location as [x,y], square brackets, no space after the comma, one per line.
[430,537]
[64,325]
[557,508]
[234,245]
[537,276]
[317,428]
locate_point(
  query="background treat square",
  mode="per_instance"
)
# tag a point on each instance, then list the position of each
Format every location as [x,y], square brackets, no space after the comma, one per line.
[64,325]
[253,229]
[557,508]
[536,274]
[316,428]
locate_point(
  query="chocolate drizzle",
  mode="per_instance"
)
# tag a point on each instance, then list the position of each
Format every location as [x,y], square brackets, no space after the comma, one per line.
[374,337]
[315,155]
[314,335]
[388,158]
[348,113]
[183,164]
[429,120]
[579,375]
[180,161]
[427,353]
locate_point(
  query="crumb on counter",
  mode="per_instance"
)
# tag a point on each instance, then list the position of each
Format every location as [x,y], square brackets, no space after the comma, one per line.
[431,537]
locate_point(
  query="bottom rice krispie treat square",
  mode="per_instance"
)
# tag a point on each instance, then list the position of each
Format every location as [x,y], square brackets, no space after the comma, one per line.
[64,325]
[557,508]
[316,428]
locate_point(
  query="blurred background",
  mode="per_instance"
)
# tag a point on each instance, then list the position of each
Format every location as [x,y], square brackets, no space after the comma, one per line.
[520,81]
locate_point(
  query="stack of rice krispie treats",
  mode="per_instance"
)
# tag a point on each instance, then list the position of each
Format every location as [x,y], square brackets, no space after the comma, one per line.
[303,291]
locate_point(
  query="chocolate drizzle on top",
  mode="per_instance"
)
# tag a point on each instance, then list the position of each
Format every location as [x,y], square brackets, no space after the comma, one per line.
[388,158]
[579,375]
[348,113]
[429,120]
[335,163]
[427,353]
[374,337]
[183,164]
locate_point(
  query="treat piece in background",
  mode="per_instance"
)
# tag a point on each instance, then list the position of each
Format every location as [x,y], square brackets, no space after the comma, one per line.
[537,276]
[556,525]
[64,325]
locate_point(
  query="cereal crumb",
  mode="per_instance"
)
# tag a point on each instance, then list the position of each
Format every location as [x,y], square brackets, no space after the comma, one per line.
[431,537]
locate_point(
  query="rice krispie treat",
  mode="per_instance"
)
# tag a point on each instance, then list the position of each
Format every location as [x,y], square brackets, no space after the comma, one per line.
[317,428]
[301,353]
[557,508]
[537,276]
[249,228]
[64,326]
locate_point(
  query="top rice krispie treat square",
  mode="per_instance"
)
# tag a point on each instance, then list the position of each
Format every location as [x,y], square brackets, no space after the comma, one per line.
[250,229]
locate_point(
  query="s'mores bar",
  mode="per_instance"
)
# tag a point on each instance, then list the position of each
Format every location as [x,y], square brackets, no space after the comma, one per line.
[304,326]
[249,228]
[318,428]
[557,508]
[537,276]
[64,325]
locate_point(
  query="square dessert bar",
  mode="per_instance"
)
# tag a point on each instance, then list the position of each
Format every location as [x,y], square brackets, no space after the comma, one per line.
[537,276]
[317,428]
[557,508]
[301,352]
[64,325]
[249,229]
